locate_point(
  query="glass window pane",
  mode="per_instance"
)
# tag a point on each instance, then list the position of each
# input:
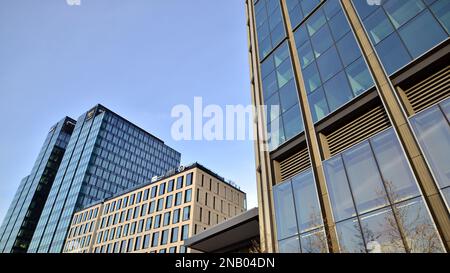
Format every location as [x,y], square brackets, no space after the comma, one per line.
[321,40]
[338,189]
[422,33]
[315,22]
[359,77]
[281,54]
[445,106]
[433,133]
[301,35]
[365,181]
[392,53]
[339,25]
[402,11]
[307,206]
[293,123]
[284,73]
[308,5]
[418,228]
[288,96]
[311,78]
[295,12]
[381,233]
[273,107]
[364,9]
[276,131]
[305,54]
[291,245]
[378,26]
[397,175]
[314,242]
[270,85]
[350,237]
[348,49]
[284,210]
[331,8]
[337,91]
[441,10]
[267,66]
[318,105]
[329,64]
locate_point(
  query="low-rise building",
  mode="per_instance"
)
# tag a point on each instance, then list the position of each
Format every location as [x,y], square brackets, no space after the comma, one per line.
[158,216]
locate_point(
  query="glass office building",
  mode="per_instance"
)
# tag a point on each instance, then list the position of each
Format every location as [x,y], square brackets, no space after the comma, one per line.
[105,155]
[23,214]
[355,155]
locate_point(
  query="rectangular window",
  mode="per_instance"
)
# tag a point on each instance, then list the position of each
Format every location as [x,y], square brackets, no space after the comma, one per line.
[189,179]
[186,213]
[188,195]
[180,182]
[174,235]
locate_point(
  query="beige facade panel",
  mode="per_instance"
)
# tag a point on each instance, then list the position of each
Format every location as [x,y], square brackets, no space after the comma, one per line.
[158,217]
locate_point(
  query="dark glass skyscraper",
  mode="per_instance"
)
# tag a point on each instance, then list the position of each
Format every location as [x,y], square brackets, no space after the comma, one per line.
[106,154]
[26,208]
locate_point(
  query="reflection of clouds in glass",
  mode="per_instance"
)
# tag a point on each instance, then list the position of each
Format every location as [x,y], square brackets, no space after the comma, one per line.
[73,2]
[374,2]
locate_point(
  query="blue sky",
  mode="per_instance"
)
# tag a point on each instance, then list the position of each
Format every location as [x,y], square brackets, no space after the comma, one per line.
[137,57]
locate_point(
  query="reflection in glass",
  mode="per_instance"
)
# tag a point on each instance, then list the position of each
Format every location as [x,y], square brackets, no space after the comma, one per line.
[314,242]
[350,237]
[291,245]
[307,205]
[284,210]
[338,189]
[381,232]
[433,132]
[364,178]
[398,178]
[417,226]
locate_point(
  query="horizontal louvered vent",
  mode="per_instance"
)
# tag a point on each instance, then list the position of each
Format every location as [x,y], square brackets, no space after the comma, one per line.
[429,91]
[294,164]
[357,130]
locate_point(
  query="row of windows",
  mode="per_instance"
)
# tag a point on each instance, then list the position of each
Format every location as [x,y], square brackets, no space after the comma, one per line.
[153,192]
[154,240]
[376,203]
[220,189]
[333,68]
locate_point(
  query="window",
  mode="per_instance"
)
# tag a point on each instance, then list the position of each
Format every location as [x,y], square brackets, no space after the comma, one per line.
[148,224]
[154,191]
[174,235]
[433,133]
[270,26]
[176,216]
[162,188]
[164,236]
[151,207]
[188,195]
[155,239]
[170,186]
[375,177]
[166,221]
[146,241]
[403,30]
[280,97]
[169,201]
[333,69]
[157,221]
[184,232]
[189,179]
[298,9]
[138,243]
[180,182]
[178,198]
[160,204]
[186,213]
[285,214]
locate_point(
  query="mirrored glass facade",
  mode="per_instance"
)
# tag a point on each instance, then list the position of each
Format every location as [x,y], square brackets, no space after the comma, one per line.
[333,69]
[23,214]
[401,31]
[106,154]
[377,190]
[298,215]
[376,202]
[433,132]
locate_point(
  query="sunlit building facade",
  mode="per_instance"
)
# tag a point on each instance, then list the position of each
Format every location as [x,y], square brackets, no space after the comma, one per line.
[156,217]
[106,154]
[355,156]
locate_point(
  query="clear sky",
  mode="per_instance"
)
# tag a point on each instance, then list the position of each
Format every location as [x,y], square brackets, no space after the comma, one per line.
[137,57]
